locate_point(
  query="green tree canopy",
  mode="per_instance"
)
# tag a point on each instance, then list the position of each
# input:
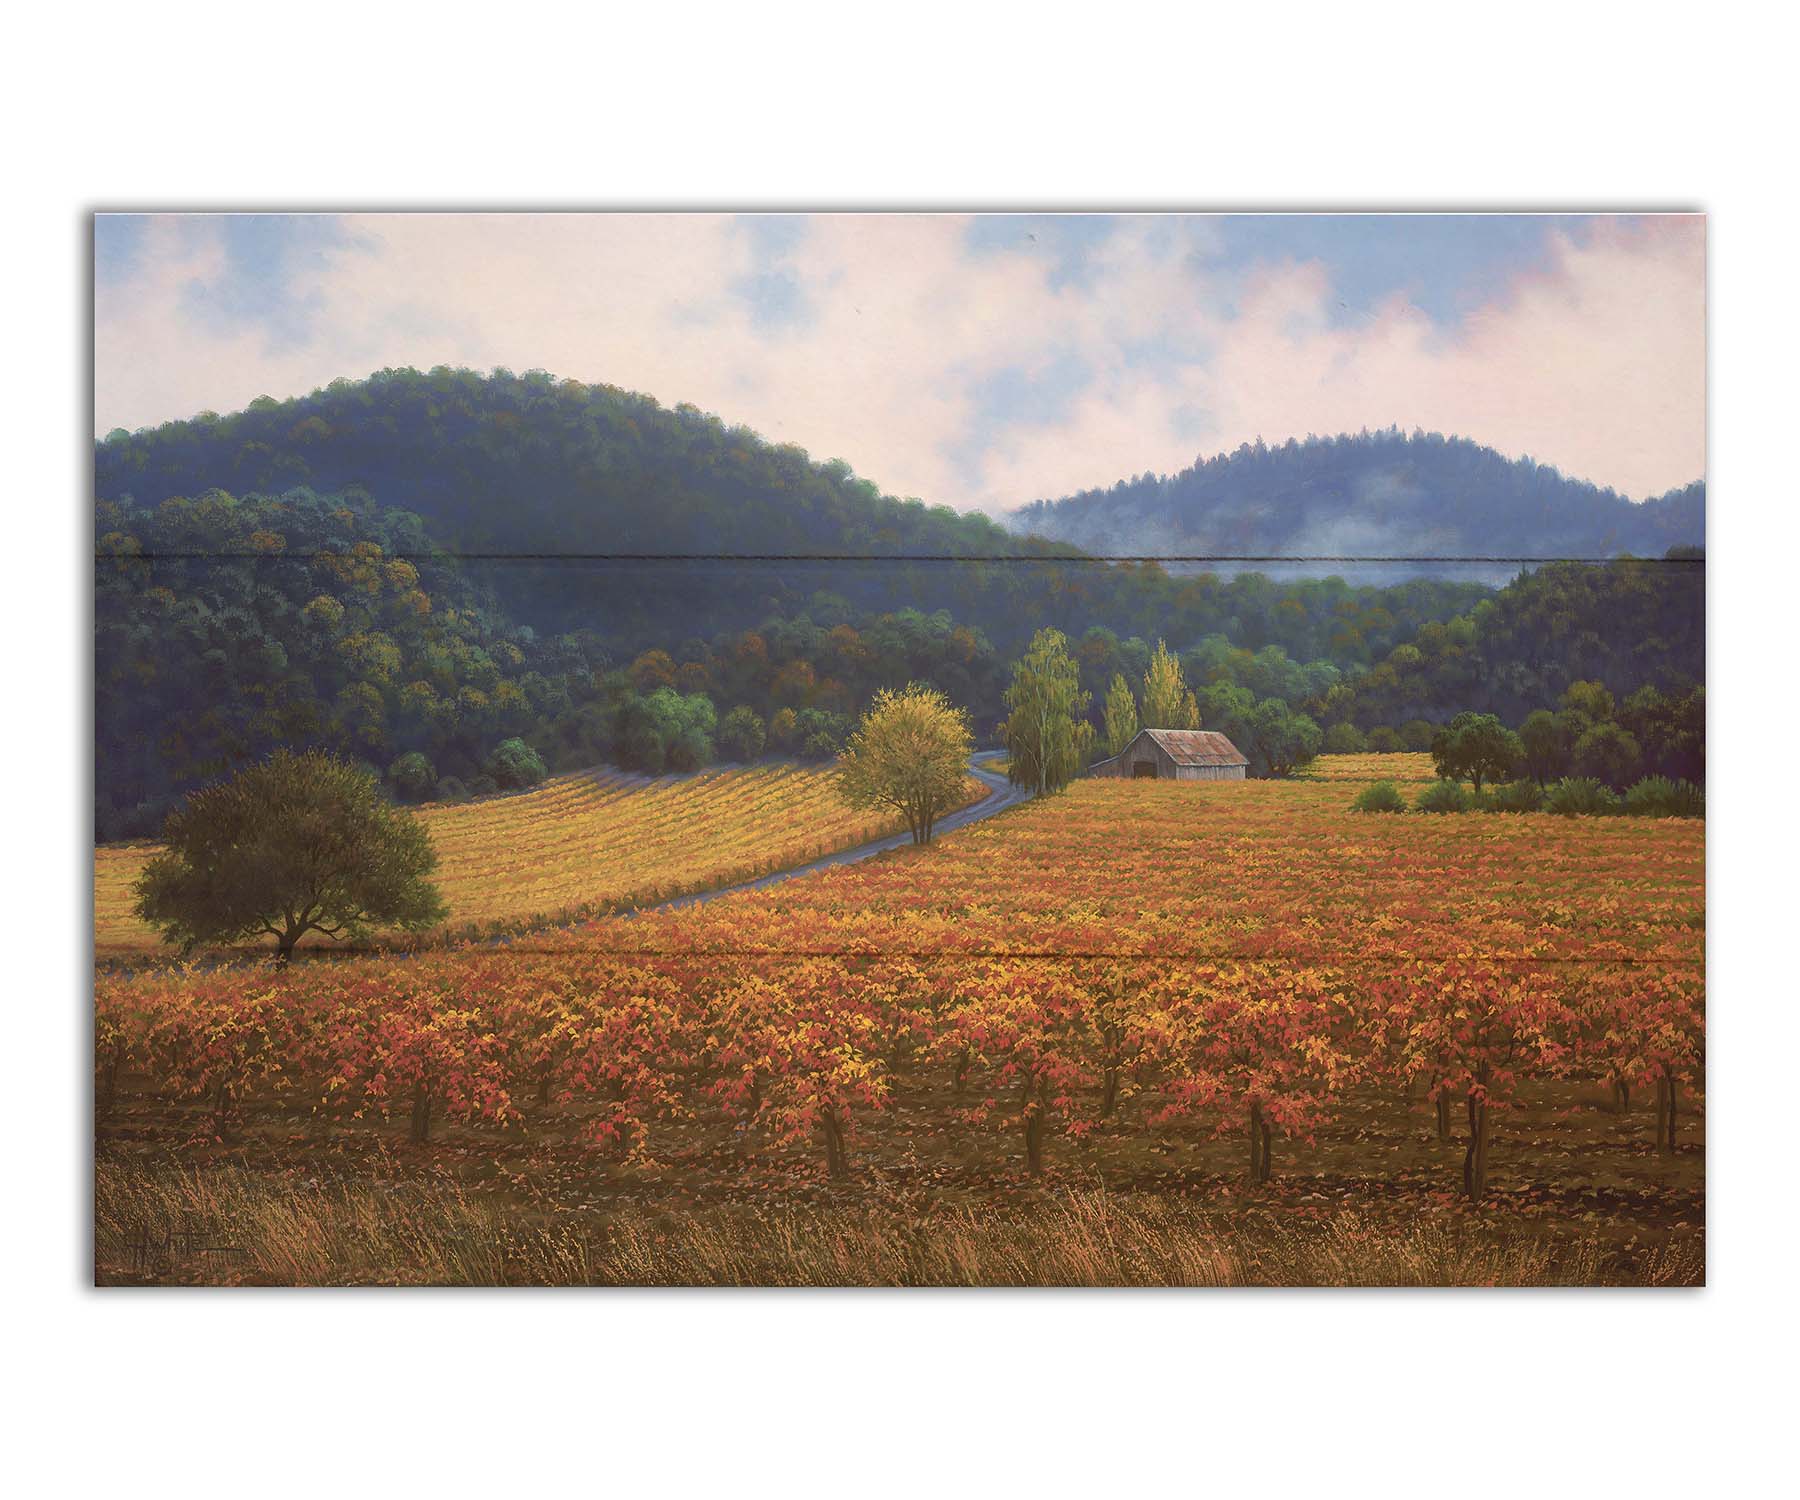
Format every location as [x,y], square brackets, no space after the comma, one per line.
[742,734]
[1609,754]
[1047,733]
[515,764]
[1477,747]
[413,776]
[1546,747]
[294,844]
[1280,738]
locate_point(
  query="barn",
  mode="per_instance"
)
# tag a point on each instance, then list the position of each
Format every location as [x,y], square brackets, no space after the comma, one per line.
[1176,755]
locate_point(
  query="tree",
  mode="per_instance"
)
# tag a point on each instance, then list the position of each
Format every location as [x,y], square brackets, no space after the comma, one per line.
[1167,702]
[1545,747]
[1670,731]
[515,764]
[1591,699]
[295,844]
[1047,733]
[910,753]
[741,734]
[1121,715]
[1345,739]
[1609,754]
[1280,738]
[413,776]
[1476,746]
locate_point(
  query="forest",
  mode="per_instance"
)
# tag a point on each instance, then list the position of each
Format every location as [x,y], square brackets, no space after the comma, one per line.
[592,508]
[1369,495]
[405,621]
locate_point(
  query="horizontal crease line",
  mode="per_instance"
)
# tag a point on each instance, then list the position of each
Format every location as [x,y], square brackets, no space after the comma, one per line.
[892,558]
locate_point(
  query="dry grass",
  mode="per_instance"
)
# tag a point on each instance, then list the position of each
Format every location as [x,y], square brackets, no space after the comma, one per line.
[170,1224]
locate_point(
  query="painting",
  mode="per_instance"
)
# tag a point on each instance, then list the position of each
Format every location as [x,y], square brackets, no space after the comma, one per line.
[899,749]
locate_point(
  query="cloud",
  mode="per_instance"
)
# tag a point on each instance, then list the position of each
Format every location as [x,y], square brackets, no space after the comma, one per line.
[979,362]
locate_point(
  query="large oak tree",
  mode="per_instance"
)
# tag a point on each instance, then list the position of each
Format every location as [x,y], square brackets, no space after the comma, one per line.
[295,844]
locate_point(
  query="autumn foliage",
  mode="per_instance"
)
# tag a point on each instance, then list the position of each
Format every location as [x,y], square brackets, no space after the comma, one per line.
[1228,961]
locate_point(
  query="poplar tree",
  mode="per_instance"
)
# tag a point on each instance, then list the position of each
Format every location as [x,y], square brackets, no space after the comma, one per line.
[1048,737]
[1167,702]
[1121,715]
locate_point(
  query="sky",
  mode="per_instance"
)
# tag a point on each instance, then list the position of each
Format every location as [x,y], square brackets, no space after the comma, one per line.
[980,361]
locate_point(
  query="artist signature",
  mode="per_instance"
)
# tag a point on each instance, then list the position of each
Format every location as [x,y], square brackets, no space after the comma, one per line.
[160,1252]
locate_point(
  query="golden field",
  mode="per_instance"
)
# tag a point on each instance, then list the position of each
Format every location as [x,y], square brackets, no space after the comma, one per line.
[585,843]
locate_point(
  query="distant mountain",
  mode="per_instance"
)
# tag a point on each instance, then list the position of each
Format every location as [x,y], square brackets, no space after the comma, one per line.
[518,464]
[517,469]
[1381,494]
[586,507]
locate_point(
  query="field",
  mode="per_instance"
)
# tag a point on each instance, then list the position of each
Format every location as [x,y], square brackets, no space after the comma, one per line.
[1220,1033]
[585,843]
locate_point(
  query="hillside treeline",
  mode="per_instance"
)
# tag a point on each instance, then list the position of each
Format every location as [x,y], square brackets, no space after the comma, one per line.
[225,627]
[1371,494]
[1627,624]
[598,509]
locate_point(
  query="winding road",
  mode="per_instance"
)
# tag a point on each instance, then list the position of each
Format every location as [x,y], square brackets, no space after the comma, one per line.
[1001,795]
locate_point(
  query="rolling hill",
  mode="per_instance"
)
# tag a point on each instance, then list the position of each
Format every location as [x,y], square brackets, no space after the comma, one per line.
[1373,495]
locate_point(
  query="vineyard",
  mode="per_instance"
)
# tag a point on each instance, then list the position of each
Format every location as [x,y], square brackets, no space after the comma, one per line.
[1237,1007]
[585,843]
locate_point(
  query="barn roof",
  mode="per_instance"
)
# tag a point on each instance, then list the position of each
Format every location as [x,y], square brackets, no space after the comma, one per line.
[1196,747]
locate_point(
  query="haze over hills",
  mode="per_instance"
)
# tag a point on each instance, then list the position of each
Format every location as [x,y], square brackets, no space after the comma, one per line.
[1372,495]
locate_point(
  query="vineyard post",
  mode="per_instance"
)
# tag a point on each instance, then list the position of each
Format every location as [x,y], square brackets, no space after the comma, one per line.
[837,1159]
[1475,1157]
[1035,1110]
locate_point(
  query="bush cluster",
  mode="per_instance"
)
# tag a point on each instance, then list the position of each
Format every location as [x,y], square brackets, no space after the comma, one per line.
[1571,797]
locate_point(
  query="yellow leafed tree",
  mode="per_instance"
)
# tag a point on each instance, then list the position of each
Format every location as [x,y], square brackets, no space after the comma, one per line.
[1168,704]
[1121,715]
[909,753]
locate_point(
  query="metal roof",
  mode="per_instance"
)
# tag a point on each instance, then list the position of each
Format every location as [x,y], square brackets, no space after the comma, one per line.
[1196,747]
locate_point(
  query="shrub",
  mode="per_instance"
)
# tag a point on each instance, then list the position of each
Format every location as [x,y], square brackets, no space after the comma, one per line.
[1580,796]
[1659,797]
[1384,741]
[451,789]
[412,776]
[1443,797]
[1517,797]
[515,764]
[483,786]
[1383,797]
[1345,739]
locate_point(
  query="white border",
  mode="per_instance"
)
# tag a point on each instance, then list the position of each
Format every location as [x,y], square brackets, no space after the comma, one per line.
[1531,106]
